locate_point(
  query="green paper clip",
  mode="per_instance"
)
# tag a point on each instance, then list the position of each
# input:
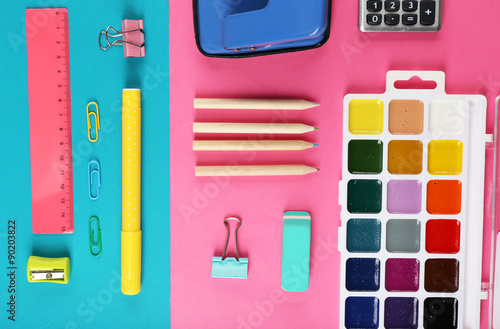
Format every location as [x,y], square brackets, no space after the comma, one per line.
[98,244]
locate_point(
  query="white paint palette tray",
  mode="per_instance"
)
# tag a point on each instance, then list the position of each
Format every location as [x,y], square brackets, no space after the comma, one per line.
[412,198]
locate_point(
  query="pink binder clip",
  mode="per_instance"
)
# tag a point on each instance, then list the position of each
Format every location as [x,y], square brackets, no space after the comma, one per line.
[132,38]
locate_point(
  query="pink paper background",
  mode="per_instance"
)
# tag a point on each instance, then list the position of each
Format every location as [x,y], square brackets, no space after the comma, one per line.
[350,62]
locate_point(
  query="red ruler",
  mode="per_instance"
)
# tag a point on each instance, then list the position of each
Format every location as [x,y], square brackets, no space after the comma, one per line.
[50,120]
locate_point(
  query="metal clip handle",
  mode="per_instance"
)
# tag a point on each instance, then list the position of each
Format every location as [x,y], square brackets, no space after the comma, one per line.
[117,34]
[235,237]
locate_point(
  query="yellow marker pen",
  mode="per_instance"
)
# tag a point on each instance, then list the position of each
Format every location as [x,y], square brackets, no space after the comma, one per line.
[131,192]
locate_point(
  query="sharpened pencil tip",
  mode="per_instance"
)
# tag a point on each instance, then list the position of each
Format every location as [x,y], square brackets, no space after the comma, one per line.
[314,145]
[314,105]
[316,128]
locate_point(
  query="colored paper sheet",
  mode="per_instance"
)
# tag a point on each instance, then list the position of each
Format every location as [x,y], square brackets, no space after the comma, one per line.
[92,298]
[350,62]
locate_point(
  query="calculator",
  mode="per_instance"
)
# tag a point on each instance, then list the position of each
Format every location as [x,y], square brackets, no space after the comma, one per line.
[400,15]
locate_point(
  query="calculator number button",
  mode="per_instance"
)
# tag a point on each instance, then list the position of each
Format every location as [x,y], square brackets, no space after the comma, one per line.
[374,19]
[410,19]
[427,12]
[374,6]
[391,19]
[410,5]
[392,5]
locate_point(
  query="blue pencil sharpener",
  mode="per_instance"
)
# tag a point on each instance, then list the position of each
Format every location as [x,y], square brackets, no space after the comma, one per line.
[246,28]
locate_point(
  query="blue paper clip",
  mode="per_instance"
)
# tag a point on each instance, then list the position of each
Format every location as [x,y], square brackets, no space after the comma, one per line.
[230,267]
[97,172]
[98,243]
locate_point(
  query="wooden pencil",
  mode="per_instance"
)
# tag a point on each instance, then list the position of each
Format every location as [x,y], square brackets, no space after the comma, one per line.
[251,145]
[251,128]
[252,104]
[271,170]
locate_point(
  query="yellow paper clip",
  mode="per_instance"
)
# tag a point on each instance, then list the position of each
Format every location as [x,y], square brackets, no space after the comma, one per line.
[89,123]
[98,243]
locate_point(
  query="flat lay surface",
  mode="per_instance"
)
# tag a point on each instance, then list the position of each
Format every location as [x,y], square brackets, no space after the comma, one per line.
[182,215]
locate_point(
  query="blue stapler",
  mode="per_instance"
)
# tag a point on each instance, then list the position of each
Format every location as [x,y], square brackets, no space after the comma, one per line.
[245,28]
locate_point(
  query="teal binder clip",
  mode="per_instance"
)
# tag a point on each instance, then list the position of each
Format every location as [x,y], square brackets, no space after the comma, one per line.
[296,251]
[230,267]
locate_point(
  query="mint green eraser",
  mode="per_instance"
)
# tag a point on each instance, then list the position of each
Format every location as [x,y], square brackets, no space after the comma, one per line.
[296,251]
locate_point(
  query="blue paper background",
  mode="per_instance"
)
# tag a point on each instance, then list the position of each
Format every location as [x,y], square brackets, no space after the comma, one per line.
[92,298]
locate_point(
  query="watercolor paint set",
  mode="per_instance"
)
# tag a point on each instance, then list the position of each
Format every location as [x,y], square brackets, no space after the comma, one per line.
[412,200]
